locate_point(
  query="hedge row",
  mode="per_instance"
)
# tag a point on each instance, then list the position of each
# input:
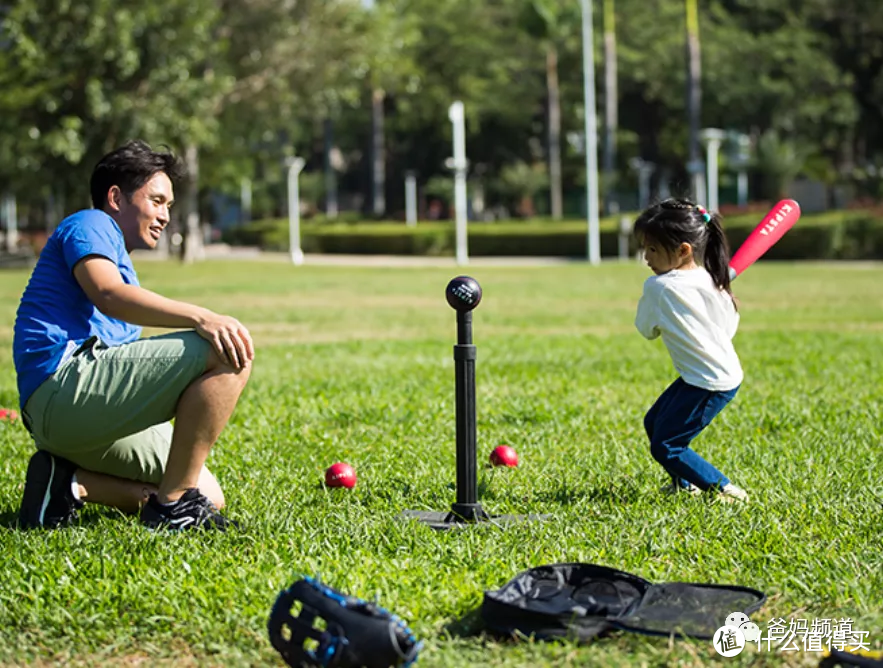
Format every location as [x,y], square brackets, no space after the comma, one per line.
[832,235]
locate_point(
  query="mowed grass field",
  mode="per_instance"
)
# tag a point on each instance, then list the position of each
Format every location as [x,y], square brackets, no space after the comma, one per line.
[356,364]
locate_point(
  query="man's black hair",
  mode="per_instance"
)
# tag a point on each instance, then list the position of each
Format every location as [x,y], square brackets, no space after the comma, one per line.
[129,167]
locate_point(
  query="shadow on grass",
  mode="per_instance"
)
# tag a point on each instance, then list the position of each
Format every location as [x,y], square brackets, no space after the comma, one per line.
[9,517]
[617,493]
[467,626]
[580,631]
[612,493]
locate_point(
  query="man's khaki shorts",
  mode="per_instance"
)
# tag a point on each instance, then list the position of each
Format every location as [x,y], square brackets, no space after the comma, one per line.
[108,409]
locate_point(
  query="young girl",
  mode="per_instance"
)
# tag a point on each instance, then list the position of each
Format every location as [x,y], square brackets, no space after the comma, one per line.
[689,304]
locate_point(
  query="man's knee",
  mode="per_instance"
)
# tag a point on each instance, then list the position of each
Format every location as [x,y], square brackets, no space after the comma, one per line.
[215,364]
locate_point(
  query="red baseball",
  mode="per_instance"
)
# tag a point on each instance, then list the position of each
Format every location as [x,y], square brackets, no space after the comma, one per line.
[504,455]
[340,474]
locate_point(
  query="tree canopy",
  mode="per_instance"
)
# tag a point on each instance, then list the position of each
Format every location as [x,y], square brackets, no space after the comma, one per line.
[251,82]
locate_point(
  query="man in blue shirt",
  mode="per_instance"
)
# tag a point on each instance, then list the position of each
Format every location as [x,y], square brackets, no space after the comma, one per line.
[98,398]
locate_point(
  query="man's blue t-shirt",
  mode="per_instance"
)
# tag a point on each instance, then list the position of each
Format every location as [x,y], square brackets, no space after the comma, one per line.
[55,316]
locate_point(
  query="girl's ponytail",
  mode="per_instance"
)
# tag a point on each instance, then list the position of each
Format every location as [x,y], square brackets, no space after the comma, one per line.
[717,254]
[672,222]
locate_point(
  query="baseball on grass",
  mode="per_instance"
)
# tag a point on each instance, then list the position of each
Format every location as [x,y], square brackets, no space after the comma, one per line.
[340,474]
[504,455]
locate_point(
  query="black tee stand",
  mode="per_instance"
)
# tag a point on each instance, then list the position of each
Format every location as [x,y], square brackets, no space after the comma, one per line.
[463,294]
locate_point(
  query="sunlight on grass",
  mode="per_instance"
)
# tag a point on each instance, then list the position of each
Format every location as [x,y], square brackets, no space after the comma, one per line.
[356,364]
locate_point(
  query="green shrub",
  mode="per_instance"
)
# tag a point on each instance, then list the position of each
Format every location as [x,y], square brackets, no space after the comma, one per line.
[384,239]
[830,235]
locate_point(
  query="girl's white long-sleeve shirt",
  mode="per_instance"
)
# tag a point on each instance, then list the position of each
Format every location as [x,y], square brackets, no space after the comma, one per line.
[697,323]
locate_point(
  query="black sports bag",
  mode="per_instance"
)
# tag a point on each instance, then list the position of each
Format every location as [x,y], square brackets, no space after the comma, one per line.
[583,601]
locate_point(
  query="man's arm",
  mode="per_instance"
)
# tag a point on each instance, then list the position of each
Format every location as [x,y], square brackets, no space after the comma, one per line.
[103,284]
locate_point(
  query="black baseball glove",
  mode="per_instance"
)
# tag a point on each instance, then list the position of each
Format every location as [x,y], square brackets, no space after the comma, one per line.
[338,631]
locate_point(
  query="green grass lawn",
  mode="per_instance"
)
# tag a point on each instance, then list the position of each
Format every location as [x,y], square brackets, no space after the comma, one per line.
[356,364]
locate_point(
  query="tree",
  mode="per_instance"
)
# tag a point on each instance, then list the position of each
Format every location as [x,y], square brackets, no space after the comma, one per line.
[611,101]
[770,68]
[551,22]
[853,34]
[519,182]
[248,83]
[778,162]
[80,78]
[694,92]
[391,33]
[476,53]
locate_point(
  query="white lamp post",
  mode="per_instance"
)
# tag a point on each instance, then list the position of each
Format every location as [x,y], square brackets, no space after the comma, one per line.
[712,138]
[10,218]
[245,200]
[743,157]
[411,199]
[459,165]
[594,243]
[295,165]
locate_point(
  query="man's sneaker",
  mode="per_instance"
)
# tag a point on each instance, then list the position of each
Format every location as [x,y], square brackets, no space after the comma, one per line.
[48,500]
[730,493]
[671,489]
[191,511]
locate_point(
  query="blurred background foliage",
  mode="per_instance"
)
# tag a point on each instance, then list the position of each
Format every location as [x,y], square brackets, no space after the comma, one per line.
[245,84]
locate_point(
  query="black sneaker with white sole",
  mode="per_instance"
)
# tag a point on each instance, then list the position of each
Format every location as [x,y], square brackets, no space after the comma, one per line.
[191,511]
[48,500]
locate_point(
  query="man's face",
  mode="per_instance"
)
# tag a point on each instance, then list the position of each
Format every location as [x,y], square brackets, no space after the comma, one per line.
[143,217]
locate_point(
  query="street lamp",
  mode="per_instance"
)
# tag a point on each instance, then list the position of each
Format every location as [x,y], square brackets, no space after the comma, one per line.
[459,164]
[411,198]
[295,165]
[740,158]
[594,243]
[696,169]
[9,215]
[712,138]
[378,157]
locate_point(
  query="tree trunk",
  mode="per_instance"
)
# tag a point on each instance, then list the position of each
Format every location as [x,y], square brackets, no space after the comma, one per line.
[10,222]
[193,245]
[378,157]
[54,210]
[330,173]
[611,116]
[694,96]
[554,93]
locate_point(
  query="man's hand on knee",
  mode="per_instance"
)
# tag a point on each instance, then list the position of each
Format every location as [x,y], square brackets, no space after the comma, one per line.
[230,339]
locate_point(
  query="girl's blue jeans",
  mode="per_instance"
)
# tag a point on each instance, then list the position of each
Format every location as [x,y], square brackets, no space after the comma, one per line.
[677,417]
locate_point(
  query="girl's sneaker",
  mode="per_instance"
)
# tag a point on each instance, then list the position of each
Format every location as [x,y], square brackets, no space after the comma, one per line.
[730,493]
[671,489]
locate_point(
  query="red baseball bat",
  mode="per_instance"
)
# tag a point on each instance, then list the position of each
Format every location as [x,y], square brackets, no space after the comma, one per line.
[773,226]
